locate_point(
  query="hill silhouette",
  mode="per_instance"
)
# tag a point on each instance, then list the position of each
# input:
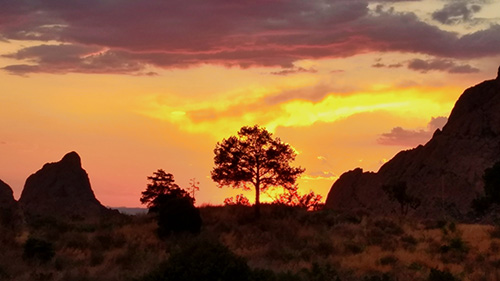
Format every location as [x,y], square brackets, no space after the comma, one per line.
[446,173]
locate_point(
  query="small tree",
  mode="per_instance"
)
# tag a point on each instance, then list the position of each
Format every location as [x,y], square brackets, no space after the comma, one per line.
[194,186]
[174,207]
[491,180]
[398,192]
[255,159]
[161,183]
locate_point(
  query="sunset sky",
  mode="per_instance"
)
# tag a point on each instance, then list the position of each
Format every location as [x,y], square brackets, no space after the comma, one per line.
[135,86]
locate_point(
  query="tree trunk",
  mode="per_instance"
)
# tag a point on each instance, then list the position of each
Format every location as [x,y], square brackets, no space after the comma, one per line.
[257,200]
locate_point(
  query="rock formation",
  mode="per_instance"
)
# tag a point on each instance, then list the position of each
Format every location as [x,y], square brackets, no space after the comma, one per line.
[10,214]
[446,173]
[61,189]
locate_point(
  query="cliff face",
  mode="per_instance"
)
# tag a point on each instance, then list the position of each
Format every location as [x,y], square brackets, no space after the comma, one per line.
[446,173]
[60,189]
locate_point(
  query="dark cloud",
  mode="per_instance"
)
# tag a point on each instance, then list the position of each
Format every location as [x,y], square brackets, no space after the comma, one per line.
[129,35]
[72,58]
[403,137]
[456,12]
[440,65]
[294,70]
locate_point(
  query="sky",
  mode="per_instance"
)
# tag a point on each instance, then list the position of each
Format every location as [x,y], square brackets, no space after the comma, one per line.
[136,86]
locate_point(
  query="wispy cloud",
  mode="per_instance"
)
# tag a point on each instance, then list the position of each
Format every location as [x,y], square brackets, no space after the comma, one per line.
[294,70]
[440,65]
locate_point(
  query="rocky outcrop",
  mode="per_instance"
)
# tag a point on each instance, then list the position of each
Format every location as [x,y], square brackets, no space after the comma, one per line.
[61,189]
[446,173]
[10,214]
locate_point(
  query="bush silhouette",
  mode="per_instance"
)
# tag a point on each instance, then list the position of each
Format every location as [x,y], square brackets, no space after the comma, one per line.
[491,179]
[177,215]
[438,275]
[203,260]
[399,192]
[36,249]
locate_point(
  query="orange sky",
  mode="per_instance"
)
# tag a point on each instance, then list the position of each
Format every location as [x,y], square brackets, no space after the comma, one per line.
[341,99]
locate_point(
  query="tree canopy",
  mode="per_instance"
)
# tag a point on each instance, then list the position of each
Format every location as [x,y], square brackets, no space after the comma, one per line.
[161,184]
[173,205]
[254,158]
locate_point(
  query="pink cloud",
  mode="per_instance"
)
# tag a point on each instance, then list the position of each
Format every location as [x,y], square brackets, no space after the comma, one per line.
[404,137]
[232,33]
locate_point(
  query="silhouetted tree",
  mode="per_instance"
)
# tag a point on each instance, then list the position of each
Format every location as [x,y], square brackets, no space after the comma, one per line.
[194,186]
[399,193]
[161,183]
[254,158]
[174,207]
[491,180]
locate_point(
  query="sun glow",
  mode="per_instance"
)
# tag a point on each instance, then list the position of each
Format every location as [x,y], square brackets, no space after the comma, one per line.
[227,116]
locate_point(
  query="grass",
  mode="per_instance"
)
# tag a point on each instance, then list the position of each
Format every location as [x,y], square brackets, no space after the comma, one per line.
[285,240]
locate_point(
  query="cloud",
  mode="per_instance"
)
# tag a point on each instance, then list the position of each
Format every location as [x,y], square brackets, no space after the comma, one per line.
[440,65]
[382,65]
[456,12]
[294,70]
[403,137]
[129,36]
[65,58]
[314,94]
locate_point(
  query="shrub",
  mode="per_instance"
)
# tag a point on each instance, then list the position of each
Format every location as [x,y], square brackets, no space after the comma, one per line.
[389,227]
[438,275]
[35,249]
[203,260]
[320,272]
[178,215]
[383,277]
[409,240]
[491,179]
[388,260]
[354,248]
[481,205]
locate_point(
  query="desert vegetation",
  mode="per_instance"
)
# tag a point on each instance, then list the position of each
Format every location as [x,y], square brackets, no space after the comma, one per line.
[285,243]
